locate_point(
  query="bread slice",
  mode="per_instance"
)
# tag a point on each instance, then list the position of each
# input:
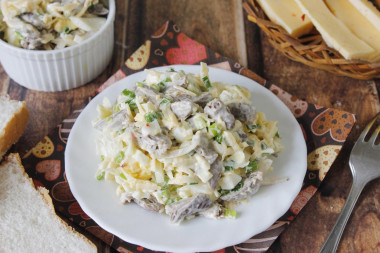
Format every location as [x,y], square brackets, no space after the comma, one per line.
[13,118]
[28,222]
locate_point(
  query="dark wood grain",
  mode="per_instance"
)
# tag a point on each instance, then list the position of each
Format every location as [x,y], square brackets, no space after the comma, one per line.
[220,25]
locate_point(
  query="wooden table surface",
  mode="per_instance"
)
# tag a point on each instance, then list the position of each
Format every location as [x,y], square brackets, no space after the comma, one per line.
[222,26]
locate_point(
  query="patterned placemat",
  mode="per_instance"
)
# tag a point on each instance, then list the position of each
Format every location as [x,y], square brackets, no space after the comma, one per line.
[325,131]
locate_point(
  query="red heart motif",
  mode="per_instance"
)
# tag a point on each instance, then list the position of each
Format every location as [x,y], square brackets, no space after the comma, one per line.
[75,209]
[51,169]
[189,51]
[61,192]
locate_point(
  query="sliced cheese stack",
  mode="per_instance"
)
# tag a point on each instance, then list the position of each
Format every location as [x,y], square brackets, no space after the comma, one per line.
[334,32]
[287,14]
[357,23]
[368,10]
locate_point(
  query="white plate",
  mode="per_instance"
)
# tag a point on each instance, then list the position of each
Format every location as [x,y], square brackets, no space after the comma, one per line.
[154,231]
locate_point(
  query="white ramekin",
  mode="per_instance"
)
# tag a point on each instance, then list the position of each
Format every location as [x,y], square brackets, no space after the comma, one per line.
[63,69]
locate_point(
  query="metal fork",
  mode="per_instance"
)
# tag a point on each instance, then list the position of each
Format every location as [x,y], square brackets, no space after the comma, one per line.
[365,166]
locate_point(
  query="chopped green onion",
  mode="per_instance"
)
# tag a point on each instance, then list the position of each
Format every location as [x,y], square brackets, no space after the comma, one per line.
[169,201]
[207,82]
[164,101]
[155,86]
[151,116]
[192,153]
[230,213]
[129,93]
[100,176]
[166,178]
[119,157]
[19,34]
[161,86]
[219,139]
[193,183]
[168,79]
[252,166]
[238,186]
[264,146]
[102,158]
[251,143]
[215,130]
[228,168]
[223,192]
[67,30]
[139,84]
[132,104]
[123,176]
[253,127]
[277,135]
[171,70]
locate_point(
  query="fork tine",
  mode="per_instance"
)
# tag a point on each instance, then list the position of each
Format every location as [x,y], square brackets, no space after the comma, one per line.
[374,135]
[367,128]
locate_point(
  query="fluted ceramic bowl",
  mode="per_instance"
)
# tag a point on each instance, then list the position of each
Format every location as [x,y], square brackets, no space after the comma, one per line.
[62,69]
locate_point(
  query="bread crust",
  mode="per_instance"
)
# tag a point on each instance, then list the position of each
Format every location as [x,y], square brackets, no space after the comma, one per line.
[14,129]
[14,158]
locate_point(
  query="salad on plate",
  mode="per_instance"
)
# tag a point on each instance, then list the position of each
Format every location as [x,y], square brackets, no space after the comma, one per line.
[184,146]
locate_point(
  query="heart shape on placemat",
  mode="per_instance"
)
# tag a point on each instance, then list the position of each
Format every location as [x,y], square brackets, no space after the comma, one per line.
[189,51]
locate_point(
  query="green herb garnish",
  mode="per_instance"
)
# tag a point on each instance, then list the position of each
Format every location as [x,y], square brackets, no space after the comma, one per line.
[264,146]
[132,104]
[250,143]
[207,82]
[252,166]
[228,168]
[100,176]
[119,157]
[219,139]
[230,213]
[161,86]
[67,30]
[151,116]
[253,127]
[129,93]
[215,130]
[123,176]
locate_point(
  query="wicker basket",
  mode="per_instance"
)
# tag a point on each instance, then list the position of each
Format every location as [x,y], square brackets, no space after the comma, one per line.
[310,49]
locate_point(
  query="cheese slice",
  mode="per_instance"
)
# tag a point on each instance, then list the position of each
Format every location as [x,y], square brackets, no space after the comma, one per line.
[334,32]
[357,23]
[368,10]
[287,14]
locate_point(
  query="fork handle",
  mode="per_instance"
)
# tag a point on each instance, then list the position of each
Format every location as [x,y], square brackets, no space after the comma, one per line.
[332,241]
